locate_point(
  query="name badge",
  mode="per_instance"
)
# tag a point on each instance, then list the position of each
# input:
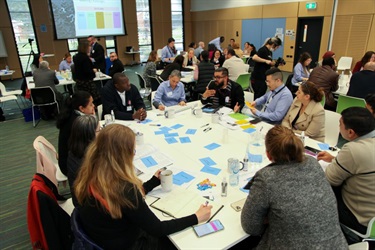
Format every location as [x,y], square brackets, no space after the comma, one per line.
[129,108]
[227,99]
[93,51]
[169,93]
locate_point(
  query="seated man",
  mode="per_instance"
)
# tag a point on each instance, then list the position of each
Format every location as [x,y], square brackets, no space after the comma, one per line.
[325,77]
[276,102]
[170,92]
[224,92]
[117,66]
[363,82]
[352,172]
[234,65]
[123,98]
[203,74]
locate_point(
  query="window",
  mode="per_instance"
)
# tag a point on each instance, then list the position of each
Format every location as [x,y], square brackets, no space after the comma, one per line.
[178,24]
[110,44]
[23,29]
[144,29]
[72,46]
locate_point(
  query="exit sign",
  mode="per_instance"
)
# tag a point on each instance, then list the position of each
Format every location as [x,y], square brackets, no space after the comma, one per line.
[311,6]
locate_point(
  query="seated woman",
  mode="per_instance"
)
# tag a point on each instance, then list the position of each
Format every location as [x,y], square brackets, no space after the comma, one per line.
[217,59]
[291,204]
[81,103]
[170,93]
[83,133]
[36,60]
[369,56]
[237,49]
[176,65]
[301,72]
[150,68]
[190,59]
[370,103]
[112,203]
[306,112]
[66,63]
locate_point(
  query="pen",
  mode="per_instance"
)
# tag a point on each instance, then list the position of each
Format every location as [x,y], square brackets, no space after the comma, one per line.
[206,129]
[159,115]
[215,213]
[158,125]
[205,125]
[206,204]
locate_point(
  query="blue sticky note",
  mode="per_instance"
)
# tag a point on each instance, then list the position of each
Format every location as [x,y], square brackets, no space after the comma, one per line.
[171,140]
[249,130]
[211,170]
[323,146]
[191,131]
[207,161]
[177,126]
[185,176]
[145,121]
[161,132]
[245,190]
[165,129]
[177,181]
[149,161]
[171,134]
[255,158]
[212,146]
[185,140]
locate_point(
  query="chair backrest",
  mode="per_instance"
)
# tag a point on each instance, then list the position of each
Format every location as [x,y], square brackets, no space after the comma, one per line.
[42,96]
[100,112]
[46,158]
[159,52]
[345,102]
[108,64]
[249,96]
[3,91]
[288,82]
[323,101]
[244,80]
[371,229]
[331,127]
[345,63]
[81,240]
[142,82]
[154,83]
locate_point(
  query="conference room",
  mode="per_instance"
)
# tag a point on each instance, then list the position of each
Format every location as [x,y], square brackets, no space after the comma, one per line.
[145,26]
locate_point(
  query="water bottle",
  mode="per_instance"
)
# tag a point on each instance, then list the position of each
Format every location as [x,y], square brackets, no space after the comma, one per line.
[234,177]
[224,187]
[6,69]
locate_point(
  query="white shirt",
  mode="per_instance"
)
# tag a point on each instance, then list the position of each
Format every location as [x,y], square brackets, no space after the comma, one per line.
[235,67]
[122,96]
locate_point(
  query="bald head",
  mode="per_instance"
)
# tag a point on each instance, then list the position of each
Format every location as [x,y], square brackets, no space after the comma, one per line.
[369,66]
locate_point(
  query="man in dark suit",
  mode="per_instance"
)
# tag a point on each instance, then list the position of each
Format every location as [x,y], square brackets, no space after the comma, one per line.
[117,66]
[362,82]
[44,77]
[97,54]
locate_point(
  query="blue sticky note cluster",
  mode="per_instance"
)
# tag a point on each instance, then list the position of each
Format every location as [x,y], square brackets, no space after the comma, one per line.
[160,132]
[165,129]
[212,146]
[185,139]
[177,126]
[145,121]
[170,134]
[149,161]
[181,178]
[249,130]
[191,131]
[170,140]
[323,146]
[211,170]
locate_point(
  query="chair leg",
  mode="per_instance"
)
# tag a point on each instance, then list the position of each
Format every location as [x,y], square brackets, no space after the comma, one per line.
[18,105]
[32,110]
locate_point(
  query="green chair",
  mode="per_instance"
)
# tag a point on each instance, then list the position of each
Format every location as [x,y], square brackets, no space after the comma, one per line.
[345,102]
[244,59]
[323,101]
[244,81]
[370,234]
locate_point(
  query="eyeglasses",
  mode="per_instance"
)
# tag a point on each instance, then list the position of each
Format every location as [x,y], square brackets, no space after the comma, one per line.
[219,77]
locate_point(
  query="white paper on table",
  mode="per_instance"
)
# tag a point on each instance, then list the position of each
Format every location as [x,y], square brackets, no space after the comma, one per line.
[161,159]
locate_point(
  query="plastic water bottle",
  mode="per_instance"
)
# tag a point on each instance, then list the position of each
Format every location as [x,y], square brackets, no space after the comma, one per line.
[113,116]
[224,187]
[234,177]
[6,69]
[245,162]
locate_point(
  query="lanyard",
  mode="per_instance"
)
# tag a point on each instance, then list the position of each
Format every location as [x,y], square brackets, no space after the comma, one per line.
[271,97]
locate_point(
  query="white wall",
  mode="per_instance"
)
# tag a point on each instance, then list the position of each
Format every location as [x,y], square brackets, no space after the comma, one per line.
[201,5]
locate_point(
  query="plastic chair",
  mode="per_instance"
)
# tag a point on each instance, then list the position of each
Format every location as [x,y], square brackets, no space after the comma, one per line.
[4,99]
[345,63]
[152,98]
[370,234]
[142,82]
[46,161]
[17,93]
[331,127]
[43,96]
[359,246]
[159,53]
[345,102]
[81,240]
[155,82]
[244,81]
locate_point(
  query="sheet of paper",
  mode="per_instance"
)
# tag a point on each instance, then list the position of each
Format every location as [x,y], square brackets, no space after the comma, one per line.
[238,116]
[177,126]
[185,139]
[181,178]
[240,122]
[207,161]
[147,164]
[145,121]
[323,146]
[171,140]
[247,126]
[171,134]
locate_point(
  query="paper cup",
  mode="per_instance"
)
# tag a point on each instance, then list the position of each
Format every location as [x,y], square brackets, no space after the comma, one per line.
[198,112]
[139,138]
[166,179]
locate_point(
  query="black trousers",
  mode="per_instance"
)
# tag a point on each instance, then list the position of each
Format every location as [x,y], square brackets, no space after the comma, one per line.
[259,87]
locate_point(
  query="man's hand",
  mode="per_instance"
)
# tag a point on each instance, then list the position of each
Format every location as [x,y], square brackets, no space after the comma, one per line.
[140,114]
[161,107]
[208,93]
[236,108]
[325,156]
[182,103]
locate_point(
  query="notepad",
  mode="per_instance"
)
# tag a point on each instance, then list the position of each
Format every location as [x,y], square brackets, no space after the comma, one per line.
[238,116]
[179,203]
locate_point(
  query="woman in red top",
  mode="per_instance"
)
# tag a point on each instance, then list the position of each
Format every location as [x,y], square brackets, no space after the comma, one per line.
[368,57]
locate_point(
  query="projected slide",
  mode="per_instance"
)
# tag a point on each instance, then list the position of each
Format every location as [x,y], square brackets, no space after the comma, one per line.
[81,18]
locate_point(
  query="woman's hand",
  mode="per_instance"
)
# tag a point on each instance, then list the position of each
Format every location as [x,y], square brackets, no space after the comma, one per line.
[157,173]
[203,213]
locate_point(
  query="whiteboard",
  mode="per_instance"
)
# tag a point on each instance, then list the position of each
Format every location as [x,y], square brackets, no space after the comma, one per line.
[3,50]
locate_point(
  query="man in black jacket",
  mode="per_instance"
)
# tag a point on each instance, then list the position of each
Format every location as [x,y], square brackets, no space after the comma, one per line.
[97,54]
[117,65]
[123,98]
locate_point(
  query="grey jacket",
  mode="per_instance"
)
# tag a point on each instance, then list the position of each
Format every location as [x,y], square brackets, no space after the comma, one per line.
[299,205]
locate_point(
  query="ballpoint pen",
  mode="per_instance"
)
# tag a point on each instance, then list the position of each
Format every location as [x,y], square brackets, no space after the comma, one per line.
[205,125]
[215,213]
[158,125]
[206,204]
[206,129]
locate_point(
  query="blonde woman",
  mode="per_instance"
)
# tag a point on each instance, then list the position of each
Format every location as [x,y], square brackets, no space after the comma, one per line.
[112,209]
[190,59]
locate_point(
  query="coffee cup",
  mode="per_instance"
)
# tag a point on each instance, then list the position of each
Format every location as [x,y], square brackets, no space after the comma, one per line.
[139,138]
[108,119]
[169,113]
[198,112]
[166,180]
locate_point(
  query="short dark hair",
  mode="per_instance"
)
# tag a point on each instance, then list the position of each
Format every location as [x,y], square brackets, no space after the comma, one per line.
[83,46]
[275,72]
[192,44]
[171,39]
[358,119]
[118,77]
[223,70]
[328,61]
[309,88]
[205,55]
[370,100]
[231,52]
[222,39]
[179,59]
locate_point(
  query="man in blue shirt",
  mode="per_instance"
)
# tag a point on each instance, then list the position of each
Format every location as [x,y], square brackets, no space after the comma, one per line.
[217,42]
[170,93]
[276,102]
[169,52]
